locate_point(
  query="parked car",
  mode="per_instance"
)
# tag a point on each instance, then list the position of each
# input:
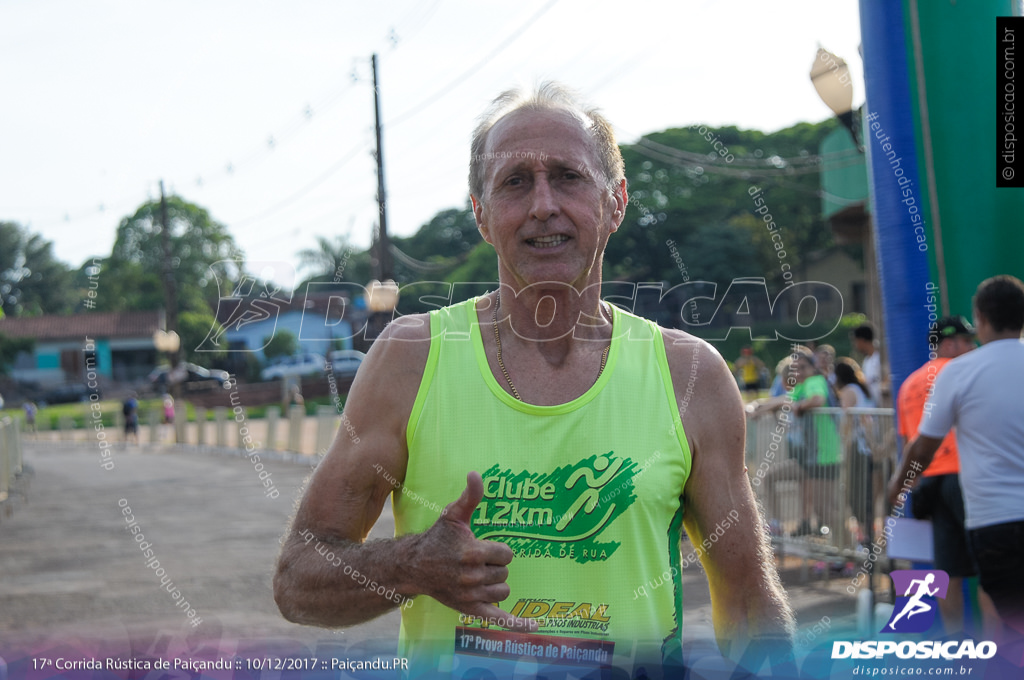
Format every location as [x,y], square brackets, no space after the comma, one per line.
[300,364]
[68,393]
[195,378]
[345,362]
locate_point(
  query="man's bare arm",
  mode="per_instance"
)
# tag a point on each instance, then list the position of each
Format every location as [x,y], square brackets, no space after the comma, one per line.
[916,457]
[747,599]
[327,573]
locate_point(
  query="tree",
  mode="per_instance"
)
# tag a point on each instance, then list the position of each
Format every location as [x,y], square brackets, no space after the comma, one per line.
[681,185]
[691,187]
[10,348]
[193,327]
[438,247]
[480,266]
[32,280]
[201,249]
[335,260]
[120,285]
[451,232]
[282,343]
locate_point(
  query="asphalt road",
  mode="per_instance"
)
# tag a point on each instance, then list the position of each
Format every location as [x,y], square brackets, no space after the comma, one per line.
[72,577]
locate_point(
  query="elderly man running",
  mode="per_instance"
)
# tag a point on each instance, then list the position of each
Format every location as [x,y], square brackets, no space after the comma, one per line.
[571,441]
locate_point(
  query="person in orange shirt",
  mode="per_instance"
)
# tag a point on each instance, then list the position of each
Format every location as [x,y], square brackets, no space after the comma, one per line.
[937,496]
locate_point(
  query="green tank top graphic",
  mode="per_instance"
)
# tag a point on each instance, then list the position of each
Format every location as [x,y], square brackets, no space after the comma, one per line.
[587,494]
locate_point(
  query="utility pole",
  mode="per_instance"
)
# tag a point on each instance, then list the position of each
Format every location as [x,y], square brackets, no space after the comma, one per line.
[171,313]
[384,267]
[170,290]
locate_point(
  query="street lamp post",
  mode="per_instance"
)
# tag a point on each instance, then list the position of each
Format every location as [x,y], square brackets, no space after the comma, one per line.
[381,300]
[831,79]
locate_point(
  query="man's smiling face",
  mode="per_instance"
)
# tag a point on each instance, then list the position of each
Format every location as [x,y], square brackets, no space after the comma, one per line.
[546,207]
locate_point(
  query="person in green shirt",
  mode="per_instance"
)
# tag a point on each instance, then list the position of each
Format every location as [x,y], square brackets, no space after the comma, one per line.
[815,448]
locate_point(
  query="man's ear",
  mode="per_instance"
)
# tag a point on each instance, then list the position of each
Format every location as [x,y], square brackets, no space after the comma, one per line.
[619,201]
[478,213]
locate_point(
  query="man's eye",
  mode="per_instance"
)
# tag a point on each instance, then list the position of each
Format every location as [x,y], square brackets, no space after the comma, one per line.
[514,181]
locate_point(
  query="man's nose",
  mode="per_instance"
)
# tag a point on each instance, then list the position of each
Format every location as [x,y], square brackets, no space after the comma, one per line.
[545,205]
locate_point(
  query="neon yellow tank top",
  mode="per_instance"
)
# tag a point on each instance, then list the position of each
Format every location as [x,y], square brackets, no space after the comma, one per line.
[587,494]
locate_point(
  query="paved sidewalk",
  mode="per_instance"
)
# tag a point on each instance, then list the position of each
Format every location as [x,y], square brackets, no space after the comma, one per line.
[160,435]
[70,570]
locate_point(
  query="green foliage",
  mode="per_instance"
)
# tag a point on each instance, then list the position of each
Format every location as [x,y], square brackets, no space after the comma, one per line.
[9,350]
[481,266]
[335,261]
[431,254]
[194,327]
[719,247]
[773,351]
[681,189]
[121,285]
[282,344]
[204,256]
[32,280]
[438,247]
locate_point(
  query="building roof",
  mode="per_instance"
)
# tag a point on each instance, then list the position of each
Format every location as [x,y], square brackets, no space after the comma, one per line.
[91,325]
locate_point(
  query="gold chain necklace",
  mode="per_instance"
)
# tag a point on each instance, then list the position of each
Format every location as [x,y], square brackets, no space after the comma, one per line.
[501,364]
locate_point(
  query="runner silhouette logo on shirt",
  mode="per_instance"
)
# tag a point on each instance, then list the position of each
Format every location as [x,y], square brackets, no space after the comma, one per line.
[914,611]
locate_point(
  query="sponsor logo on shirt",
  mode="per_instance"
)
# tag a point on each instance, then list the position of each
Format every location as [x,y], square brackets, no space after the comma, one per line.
[560,513]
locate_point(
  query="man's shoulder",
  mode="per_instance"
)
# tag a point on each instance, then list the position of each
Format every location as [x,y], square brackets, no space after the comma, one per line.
[407,338]
[912,385]
[705,389]
[997,350]
[970,361]
[816,381]
[817,384]
[390,375]
[926,371]
[695,363]
[680,344]
[999,357]
[408,328]
[404,344]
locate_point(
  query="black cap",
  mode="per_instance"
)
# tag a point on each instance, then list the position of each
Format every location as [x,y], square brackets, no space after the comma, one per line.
[948,326]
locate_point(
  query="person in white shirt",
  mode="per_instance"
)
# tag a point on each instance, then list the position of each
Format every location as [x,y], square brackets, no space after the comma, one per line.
[864,342]
[981,394]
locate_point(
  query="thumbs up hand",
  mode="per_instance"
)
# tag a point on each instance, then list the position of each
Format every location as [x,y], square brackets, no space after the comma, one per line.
[462,572]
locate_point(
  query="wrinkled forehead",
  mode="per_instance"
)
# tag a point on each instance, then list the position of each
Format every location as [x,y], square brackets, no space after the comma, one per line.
[531,134]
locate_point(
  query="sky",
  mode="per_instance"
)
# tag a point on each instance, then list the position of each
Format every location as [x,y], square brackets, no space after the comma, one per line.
[262,112]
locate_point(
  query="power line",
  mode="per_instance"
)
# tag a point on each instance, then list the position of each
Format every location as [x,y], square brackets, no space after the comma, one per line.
[753,161]
[462,78]
[420,265]
[272,141]
[277,207]
[397,33]
[765,169]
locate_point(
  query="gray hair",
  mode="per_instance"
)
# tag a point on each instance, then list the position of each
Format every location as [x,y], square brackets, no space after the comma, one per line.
[548,96]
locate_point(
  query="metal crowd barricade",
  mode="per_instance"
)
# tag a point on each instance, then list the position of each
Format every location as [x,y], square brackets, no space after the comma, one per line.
[821,479]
